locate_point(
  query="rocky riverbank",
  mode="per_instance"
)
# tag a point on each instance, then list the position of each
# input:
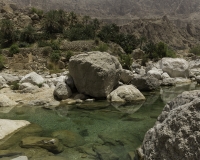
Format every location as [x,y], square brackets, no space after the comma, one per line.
[91,76]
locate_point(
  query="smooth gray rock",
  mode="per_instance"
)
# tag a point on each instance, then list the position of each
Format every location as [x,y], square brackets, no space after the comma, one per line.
[168,82]
[156,73]
[126,93]
[145,83]
[62,91]
[95,73]
[126,76]
[9,77]
[176,133]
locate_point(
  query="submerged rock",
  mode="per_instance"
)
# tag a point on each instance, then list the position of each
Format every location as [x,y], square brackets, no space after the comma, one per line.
[68,138]
[51,144]
[176,133]
[95,73]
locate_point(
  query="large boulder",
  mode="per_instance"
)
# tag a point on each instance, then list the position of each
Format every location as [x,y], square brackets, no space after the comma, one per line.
[95,73]
[126,93]
[62,91]
[32,78]
[145,83]
[176,133]
[175,67]
[8,127]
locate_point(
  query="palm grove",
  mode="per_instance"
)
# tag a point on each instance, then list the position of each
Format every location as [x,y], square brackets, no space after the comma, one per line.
[57,23]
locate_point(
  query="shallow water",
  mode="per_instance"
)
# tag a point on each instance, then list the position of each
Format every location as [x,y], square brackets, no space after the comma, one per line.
[107,130]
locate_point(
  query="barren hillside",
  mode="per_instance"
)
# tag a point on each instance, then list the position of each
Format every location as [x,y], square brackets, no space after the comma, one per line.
[187,9]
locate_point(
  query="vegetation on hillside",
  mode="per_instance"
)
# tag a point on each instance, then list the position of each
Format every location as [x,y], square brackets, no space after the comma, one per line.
[57,25]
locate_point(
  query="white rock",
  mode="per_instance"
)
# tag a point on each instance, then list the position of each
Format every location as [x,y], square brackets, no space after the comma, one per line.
[10,126]
[5,101]
[20,158]
[156,73]
[125,93]
[165,75]
[32,78]
[175,67]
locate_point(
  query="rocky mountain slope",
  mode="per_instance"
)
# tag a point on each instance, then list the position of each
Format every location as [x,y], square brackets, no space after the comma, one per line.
[187,9]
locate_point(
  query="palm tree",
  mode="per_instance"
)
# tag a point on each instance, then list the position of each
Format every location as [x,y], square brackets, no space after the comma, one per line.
[72,18]
[28,34]
[52,23]
[86,20]
[8,33]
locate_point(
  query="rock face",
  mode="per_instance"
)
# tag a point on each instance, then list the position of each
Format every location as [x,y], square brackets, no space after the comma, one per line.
[32,78]
[175,67]
[95,73]
[13,126]
[176,134]
[145,83]
[126,93]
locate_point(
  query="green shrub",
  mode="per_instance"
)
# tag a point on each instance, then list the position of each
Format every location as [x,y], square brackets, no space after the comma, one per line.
[1,62]
[42,43]
[159,50]
[68,55]
[54,21]
[55,45]
[37,11]
[23,44]
[8,34]
[55,56]
[103,47]
[79,32]
[125,60]
[195,50]
[28,34]
[13,50]
[15,85]
[47,51]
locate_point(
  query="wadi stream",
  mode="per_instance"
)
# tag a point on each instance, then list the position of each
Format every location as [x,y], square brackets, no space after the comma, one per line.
[98,130]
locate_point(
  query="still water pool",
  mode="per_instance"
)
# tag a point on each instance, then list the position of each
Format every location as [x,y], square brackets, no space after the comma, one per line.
[109,131]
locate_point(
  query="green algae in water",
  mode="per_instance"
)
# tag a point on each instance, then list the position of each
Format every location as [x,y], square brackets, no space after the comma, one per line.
[106,127]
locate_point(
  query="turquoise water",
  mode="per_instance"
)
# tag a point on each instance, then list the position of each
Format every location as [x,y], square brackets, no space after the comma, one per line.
[106,129]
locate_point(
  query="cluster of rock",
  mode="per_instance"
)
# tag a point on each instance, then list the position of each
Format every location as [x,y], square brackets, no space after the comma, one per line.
[176,133]
[95,75]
